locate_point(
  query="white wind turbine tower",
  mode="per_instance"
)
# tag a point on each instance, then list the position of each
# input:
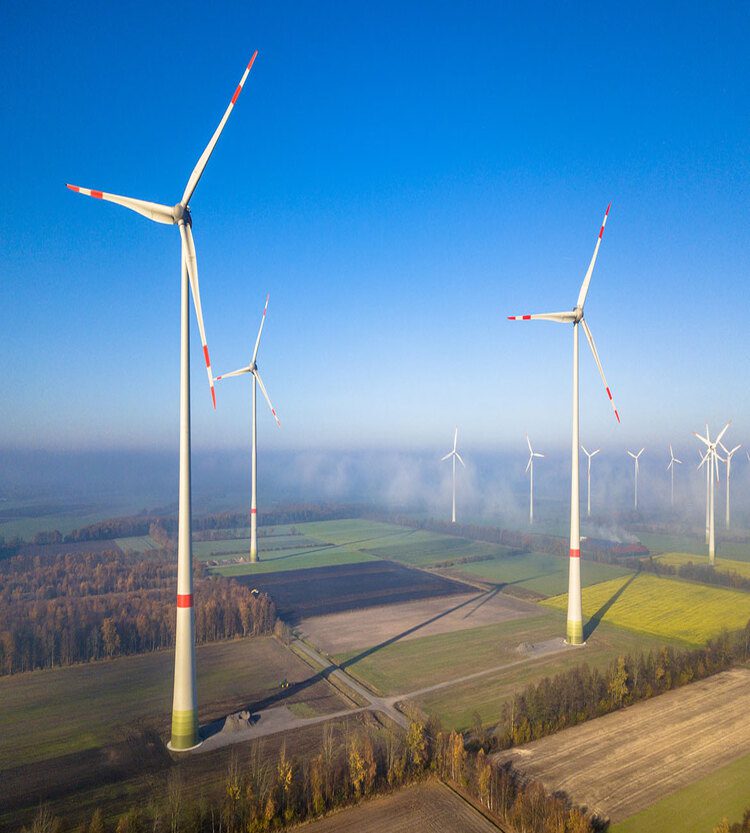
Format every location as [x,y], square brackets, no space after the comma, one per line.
[185,703]
[728,462]
[575,317]
[708,485]
[252,368]
[670,468]
[454,455]
[710,457]
[530,469]
[588,479]
[637,466]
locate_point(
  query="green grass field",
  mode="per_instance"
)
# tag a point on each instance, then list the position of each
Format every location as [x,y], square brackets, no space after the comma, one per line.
[273,562]
[663,607]
[54,712]
[456,706]
[415,663]
[544,574]
[723,565]
[658,544]
[699,807]
[137,543]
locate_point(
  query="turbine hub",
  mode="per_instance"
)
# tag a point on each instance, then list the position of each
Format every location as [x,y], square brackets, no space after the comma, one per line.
[183,213]
[579,314]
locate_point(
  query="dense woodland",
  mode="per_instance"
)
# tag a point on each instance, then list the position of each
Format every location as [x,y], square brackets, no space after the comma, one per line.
[260,794]
[63,609]
[583,693]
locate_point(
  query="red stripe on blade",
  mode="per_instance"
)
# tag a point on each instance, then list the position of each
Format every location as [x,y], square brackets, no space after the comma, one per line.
[609,394]
[601,232]
[252,60]
[213,396]
[526,318]
[575,553]
[185,600]
[606,213]
[97,194]
[73,188]
[236,94]
[617,415]
[205,354]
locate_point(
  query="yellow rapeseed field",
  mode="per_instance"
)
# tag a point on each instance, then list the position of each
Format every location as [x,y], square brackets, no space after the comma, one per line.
[663,606]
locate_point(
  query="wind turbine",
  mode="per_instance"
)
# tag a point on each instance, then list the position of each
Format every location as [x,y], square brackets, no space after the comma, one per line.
[252,368]
[575,317]
[637,466]
[185,702]
[710,457]
[728,462]
[670,468]
[455,456]
[588,479]
[530,468]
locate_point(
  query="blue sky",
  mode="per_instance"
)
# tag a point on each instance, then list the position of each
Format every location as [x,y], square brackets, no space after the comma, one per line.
[399,177]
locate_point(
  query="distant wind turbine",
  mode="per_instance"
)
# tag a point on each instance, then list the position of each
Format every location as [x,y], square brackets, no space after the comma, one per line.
[710,458]
[637,466]
[728,462]
[454,455]
[670,468]
[530,469]
[575,317]
[252,368]
[588,479]
[185,699]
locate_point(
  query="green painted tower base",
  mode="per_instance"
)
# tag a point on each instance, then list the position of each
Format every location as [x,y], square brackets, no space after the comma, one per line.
[575,633]
[184,731]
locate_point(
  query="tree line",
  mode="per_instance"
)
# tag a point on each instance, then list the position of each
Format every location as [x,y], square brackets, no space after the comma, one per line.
[584,693]
[738,827]
[262,793]
[77,608]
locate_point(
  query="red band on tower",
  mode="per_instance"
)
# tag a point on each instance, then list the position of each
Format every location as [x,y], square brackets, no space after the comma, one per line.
[253,511]
[575,553]
[184,600]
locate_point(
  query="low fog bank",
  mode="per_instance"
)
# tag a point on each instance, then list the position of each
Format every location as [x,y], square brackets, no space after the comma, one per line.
[492,488]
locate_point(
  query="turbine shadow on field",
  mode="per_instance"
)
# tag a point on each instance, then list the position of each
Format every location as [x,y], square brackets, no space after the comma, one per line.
[594,621]
[481,598]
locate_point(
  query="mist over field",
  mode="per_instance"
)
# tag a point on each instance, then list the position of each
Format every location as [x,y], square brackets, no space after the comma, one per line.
[493,488]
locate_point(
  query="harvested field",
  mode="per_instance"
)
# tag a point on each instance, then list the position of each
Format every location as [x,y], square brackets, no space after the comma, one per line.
[322,590]
[623,762]
[698,807]
[663,606]
[338,633]
[430,807]
[48,714]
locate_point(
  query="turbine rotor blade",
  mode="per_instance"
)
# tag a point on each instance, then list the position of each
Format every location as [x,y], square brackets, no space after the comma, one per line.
[592,345]
[455,438]
[460,459]
[567,317]
[722,432]
[528,442]
[152,210]
[528,465]
[260,330]
[239,372]
[265,394]
[447,456]
[188,252]
[206,155]
[587,279]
